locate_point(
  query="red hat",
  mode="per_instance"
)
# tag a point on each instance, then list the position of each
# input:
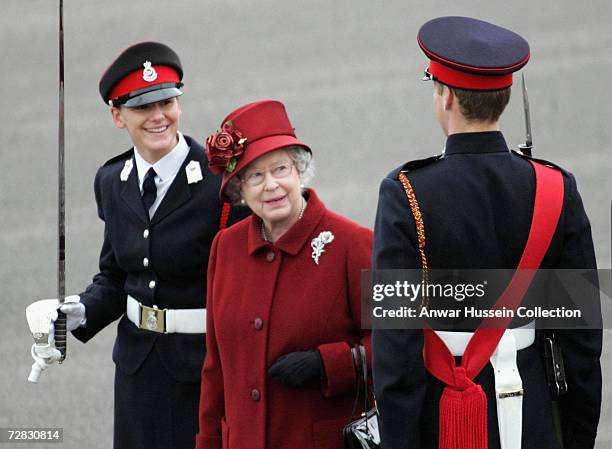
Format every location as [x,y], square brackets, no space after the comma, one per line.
[247,133]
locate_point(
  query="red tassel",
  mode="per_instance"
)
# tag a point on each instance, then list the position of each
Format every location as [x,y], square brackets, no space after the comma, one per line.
[224,215]
[463,419]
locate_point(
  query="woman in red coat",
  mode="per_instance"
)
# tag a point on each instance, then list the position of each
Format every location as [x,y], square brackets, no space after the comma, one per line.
[283,304]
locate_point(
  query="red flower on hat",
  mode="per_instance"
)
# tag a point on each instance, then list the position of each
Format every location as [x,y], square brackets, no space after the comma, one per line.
[223,148]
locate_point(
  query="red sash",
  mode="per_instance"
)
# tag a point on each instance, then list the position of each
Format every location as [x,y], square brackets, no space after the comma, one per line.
[463,406]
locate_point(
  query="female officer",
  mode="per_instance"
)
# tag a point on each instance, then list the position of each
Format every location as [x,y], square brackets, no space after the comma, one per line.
[161,210]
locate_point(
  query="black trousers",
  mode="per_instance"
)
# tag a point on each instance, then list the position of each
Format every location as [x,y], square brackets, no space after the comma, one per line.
[154,411]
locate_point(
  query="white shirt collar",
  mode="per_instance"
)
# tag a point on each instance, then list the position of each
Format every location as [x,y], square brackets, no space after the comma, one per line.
[168,166]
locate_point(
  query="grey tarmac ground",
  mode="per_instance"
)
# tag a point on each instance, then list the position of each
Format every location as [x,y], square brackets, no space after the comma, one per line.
[349,73]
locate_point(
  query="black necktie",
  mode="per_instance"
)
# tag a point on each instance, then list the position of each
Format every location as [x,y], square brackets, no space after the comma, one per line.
[149,190]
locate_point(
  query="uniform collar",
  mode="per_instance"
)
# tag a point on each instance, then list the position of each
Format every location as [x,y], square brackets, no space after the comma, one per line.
[481,142]
[294,239]
[167,166]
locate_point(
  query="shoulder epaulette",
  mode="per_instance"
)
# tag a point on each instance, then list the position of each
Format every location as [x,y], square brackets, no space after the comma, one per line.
[419,163]
[541,161]
[120,157]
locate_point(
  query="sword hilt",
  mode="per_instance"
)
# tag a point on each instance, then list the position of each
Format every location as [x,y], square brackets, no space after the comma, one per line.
[60,334]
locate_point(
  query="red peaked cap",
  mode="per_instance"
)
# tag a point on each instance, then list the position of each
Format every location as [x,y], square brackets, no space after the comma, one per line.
[266,127]
[128,81]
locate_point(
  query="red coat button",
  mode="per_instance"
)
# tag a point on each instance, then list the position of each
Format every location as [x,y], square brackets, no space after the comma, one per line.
[258,324]
[255,395]
[270,256]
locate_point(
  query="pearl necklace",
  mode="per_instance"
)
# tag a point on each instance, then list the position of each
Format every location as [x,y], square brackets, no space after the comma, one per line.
[264,234]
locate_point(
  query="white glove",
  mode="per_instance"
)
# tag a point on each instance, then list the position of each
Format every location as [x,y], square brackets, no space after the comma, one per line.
[74,311]
[44,355]
[41,316]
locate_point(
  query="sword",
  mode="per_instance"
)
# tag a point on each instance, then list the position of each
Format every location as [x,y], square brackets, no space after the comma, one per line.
[41,313]
[60,323]
[526,147]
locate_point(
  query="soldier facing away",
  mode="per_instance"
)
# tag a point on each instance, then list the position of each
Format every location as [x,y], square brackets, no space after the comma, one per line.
[476,203]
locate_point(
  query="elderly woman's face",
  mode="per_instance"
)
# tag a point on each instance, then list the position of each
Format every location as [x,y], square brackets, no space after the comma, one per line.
[271,188]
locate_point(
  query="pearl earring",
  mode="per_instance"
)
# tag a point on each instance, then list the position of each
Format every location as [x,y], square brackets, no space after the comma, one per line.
[242,201]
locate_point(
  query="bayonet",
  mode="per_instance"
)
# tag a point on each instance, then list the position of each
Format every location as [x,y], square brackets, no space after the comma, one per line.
[526,147]
[553,357]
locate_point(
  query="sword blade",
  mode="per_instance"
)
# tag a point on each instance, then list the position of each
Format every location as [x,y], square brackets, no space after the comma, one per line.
[60,323]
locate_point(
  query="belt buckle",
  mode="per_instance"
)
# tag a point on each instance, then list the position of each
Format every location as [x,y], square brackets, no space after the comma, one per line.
[510,393]
[152,319]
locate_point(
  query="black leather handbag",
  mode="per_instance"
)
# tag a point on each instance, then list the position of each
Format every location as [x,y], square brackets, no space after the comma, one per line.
[363,432]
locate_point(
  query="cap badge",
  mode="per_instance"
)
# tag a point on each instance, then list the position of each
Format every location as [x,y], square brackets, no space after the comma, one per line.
[149,74]
[318,243]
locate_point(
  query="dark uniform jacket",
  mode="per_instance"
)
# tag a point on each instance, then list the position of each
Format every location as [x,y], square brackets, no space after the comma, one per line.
[176,243]
[477,204]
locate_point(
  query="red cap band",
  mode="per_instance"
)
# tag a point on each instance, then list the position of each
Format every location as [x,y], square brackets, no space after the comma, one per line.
[135,81]
[463,80]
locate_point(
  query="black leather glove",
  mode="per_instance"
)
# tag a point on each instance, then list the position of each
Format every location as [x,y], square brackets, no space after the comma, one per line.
[296,369]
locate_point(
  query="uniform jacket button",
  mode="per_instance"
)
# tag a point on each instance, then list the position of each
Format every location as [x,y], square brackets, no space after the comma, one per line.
[145,262]
[145,233]
[258,324]
[152,285]
[270,256]
[255,395]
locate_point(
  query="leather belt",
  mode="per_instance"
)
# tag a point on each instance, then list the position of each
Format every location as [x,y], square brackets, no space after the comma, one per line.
[166,321]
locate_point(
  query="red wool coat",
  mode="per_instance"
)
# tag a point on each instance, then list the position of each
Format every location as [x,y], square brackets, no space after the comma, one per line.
[266,300]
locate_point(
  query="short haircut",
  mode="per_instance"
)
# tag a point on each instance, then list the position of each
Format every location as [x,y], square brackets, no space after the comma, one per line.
[480,105]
